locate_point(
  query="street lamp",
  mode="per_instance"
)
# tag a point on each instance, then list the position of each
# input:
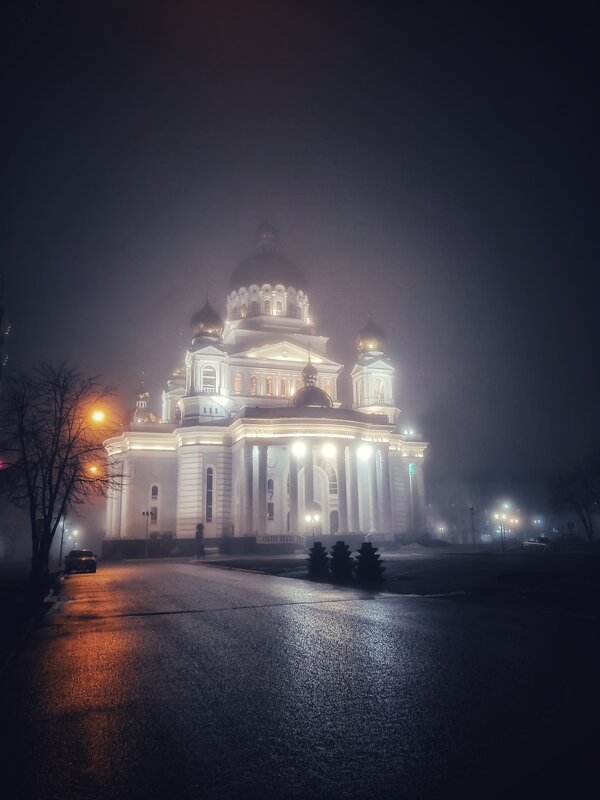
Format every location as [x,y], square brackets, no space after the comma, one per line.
[98,415]
[147,514]
[502,528]
[515,521]
[313,519]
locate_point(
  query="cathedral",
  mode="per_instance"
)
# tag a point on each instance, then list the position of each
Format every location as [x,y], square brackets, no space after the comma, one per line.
[252,440]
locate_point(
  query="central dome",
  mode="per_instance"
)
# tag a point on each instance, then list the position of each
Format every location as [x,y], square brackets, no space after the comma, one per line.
[267,266]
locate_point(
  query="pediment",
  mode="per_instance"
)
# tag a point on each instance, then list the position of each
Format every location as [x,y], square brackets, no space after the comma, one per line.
[377,365]
[206,349]
[284,351]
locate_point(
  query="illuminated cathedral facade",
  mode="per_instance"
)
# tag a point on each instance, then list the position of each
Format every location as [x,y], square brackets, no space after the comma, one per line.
[252,441]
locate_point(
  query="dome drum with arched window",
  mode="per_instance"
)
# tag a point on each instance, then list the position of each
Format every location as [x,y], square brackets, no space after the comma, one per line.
[267,284]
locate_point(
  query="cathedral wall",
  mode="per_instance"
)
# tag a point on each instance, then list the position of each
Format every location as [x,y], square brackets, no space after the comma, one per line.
[401,514]
[225,494]
[189,490]
[143,471]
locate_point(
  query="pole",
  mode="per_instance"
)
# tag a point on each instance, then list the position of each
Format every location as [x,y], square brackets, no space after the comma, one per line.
[147,515]
[62,538]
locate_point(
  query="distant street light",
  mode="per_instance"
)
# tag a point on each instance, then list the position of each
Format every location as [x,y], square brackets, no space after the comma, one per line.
[147,514]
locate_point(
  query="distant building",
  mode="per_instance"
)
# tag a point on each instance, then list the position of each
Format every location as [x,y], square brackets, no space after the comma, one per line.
[252,440]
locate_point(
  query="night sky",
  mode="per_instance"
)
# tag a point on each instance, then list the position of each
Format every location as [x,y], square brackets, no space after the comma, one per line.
[435,165]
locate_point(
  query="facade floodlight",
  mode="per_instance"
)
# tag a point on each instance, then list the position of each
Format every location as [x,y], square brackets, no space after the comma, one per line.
[365,451]
[328,450]
[298,449]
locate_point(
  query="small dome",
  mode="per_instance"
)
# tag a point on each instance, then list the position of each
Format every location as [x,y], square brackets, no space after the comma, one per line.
[310,396]
[206,322]
[370,339]
[267,266]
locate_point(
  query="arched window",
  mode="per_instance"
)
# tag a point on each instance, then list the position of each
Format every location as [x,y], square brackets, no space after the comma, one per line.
[269,386]
[267,306]
[237,383]
[284,389]
[298,384]
[279,308]
[243,311]
[253,386]
[209,494]
[154,492]
[331,475]
[379,392]
[209,379]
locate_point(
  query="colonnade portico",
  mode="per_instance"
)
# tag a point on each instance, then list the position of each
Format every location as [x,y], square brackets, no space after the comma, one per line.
[361,494]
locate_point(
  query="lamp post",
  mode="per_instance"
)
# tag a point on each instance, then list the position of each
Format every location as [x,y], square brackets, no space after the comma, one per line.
[515,521]
[502,528]
[313,519]
[146,514]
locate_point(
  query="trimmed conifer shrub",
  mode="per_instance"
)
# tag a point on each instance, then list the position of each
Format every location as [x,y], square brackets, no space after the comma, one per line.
[318,562]
[342,562]
[368,567]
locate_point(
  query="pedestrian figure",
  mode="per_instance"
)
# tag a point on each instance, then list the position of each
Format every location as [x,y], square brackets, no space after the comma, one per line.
[199,541]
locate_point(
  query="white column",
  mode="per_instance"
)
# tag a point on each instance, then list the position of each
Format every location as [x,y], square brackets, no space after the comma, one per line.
[309,491]
[247,488]
[354,519]
[293,462]
[419,497]
[342,490]
[262,488]
[386,496]
[373,493]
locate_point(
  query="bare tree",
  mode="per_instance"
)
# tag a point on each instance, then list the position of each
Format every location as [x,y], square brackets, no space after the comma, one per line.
[578,490]
[52,425]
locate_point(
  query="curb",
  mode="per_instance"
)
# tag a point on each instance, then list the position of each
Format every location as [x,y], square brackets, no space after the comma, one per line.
[15,643]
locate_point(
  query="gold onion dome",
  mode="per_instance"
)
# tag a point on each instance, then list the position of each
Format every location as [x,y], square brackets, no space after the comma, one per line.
[310,394]
[206,322]
[267,265]
[370,339]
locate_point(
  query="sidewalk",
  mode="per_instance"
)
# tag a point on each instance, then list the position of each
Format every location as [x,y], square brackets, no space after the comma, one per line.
[17,616]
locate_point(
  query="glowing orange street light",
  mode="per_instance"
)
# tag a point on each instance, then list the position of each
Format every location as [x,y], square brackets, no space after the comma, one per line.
[94,469]
[98,415]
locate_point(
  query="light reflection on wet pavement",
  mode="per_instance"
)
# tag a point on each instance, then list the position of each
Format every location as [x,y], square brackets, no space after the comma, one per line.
[175,679]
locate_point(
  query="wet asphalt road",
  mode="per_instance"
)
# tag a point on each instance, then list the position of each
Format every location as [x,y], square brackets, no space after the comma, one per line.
[179,681]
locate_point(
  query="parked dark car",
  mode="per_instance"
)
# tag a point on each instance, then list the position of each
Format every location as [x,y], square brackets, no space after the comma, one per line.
[541,542]
[80,561]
